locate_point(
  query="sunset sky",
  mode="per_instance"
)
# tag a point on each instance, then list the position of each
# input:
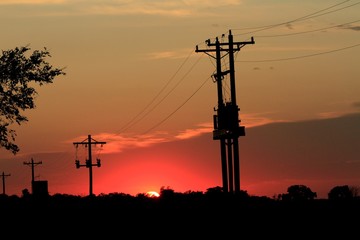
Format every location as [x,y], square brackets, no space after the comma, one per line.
[134,81]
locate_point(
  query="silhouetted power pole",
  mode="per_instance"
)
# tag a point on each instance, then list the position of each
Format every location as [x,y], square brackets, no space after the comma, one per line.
[3,181]
[88,163]
[33,164]
[226,121]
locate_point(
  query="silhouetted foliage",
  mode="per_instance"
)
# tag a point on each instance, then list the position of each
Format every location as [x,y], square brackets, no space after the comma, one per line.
[214,191]
[354,191]
[340,193]
[219,192]
[186,213]
[166,193]
[299,193]
[25,192]
[17,72]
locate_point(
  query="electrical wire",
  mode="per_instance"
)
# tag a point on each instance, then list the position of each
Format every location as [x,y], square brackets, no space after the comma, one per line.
[304,32]
[321,12]
[133,121]
[299,57]
[171,90]
[306,17]
[177,109]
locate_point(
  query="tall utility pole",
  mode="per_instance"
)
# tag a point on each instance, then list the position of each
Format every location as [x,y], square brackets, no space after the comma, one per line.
[88,163]
[3,180]
[33,164]
[226,122]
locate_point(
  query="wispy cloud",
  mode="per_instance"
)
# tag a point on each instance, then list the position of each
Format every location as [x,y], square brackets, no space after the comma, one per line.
[356,105]
[194,132]
[257,119]
[118,143]
[211,3]
[173,8]
[31,2]
[180,53]
[350,27]
[137,8]
[354,108]
[336,114]
[325,115]
[270,48]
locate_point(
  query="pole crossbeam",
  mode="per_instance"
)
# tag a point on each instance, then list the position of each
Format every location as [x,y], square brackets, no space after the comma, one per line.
[33,164]
[226,122]
[3,176]
[88,162]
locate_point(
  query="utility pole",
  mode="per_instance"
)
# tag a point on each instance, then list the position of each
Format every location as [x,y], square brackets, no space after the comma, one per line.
[88,163]
[226,122]
[33,164]
[3,180]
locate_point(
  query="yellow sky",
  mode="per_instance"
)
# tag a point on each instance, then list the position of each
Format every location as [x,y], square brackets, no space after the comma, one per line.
[134,78]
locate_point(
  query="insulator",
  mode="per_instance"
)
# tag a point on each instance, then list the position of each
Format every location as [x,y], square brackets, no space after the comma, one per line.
[77,163]
[215,119]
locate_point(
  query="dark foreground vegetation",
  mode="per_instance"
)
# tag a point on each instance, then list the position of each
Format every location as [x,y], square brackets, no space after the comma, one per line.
[201,215]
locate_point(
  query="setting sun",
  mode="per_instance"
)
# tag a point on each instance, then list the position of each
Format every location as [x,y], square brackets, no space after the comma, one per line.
[152,194]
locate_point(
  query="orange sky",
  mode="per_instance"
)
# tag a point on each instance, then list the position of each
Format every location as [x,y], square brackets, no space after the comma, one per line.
[135,81]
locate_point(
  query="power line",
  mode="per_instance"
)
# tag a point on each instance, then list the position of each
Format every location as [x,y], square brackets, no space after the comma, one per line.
[306,17]
[177,109]
[143,112]
[147,110]
[161,100]
[310,31]
[129,124]
[304,56]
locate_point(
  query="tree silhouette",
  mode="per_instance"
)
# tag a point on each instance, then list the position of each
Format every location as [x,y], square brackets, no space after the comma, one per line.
[167,192]
[340,193]
[25,193]
[299,192]
[17,72]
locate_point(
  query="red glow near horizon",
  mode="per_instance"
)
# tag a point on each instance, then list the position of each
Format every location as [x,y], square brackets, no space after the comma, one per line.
[141,175]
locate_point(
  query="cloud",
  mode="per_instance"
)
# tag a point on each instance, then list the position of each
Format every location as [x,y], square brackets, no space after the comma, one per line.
[257,119]
[356,105]
[118,143]
[173,8]
[190,133]
[162,55]
[106,7]
[325,115]
[138,7]
[211,3]
[178,54]
[350,27]
[335,114]
[291,48]
[320,152]
[31,2]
